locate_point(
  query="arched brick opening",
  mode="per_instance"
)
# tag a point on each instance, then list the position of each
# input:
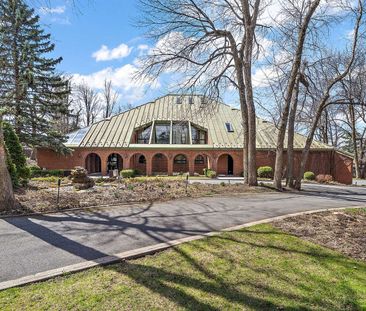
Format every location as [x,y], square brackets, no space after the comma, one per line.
[114,162]
[138,163]
[200,163]
[159,164]
[180,164]
[225,165]
[93,164]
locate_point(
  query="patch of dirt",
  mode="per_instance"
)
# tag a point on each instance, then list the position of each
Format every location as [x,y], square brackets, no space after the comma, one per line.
[344,231]
[42,196]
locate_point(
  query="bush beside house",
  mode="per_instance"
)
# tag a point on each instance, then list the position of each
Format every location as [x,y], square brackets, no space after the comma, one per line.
[309,176]
[265,172]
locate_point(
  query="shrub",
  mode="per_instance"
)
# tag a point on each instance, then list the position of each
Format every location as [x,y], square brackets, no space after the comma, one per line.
[127,173]
[210,173]
[309,176]
[16,152]
[265,172]
[34,168]
[46,173]
[324,178]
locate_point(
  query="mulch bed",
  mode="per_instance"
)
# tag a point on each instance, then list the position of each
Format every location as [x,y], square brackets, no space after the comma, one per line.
[40,197]
[344,231]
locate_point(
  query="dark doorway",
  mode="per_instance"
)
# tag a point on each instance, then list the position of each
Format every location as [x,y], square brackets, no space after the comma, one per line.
[93,164]
[230,165]
[114,162]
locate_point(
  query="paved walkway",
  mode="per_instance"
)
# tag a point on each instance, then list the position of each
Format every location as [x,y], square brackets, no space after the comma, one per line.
[34,244]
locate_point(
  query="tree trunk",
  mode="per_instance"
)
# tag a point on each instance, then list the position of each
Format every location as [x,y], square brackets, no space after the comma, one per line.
[354,141]
[7,200]
[277,180]
[244,113]
[290,136]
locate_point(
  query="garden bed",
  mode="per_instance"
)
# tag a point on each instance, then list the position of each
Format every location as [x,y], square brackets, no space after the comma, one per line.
[344,231]
[41,194]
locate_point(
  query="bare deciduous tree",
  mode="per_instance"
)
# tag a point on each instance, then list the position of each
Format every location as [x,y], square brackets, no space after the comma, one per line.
[110,99]
[308,11]
[341,72]
[211,43]
[89,102]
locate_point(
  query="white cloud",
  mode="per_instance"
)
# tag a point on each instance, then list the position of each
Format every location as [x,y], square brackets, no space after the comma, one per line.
[143,47]
[123,80]
[55,10]
[104,53]
[263,76]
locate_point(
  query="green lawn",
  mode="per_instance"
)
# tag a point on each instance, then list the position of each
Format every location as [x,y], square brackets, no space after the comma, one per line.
[259,268]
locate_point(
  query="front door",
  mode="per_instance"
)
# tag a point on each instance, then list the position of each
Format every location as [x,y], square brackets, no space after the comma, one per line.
[230,165]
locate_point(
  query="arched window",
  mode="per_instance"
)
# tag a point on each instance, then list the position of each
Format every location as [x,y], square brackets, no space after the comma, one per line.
[199,160]
[142,159]
[180,159]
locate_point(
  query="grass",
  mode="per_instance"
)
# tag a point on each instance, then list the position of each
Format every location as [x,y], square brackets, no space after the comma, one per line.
[259,268]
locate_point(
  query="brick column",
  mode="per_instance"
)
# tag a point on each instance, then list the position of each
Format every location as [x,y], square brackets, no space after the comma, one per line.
[148,165]
[170,166]
[126,162]
[104,160]
[190,160]
[213,164]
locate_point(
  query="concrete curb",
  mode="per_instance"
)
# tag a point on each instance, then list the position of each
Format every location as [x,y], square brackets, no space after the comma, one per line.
[144,251]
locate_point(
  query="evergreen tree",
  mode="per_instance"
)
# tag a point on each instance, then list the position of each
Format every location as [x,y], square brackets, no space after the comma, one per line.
[33,92]
[7,200]
[11,168]
[16,152]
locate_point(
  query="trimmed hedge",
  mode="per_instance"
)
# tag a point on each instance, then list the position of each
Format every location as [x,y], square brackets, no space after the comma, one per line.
[37,172]
[265,172]
[127,173]
[309,176]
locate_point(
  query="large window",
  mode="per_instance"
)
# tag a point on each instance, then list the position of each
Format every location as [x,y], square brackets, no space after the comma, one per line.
[166,132]
[161,133]
[198,136]
[180,133]
[143,136]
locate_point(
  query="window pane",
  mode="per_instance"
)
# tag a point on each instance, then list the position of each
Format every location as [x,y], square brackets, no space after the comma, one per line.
[180,159]
[229,127]
[78,137]
[180,133]
[162,134]
[198,136]
[143,136]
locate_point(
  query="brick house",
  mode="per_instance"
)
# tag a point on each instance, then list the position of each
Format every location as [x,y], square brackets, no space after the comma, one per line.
[175,134]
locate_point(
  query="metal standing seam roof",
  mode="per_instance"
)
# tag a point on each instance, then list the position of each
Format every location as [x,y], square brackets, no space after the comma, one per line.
[116,132]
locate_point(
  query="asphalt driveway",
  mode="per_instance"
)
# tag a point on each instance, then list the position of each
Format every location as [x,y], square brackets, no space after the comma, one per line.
[39,243]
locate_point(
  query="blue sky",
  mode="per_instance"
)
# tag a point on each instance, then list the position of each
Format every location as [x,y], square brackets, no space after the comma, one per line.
[97,26]
[98,39]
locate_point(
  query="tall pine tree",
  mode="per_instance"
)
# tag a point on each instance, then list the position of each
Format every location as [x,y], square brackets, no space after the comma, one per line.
[31,89]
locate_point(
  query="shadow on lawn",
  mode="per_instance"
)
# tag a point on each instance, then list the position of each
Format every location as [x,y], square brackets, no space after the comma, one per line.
[192,284]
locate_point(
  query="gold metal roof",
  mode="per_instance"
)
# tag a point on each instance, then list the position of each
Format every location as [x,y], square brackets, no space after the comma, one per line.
[116,132]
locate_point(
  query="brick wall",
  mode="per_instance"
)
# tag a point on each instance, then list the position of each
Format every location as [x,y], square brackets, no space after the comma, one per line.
[320,162]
